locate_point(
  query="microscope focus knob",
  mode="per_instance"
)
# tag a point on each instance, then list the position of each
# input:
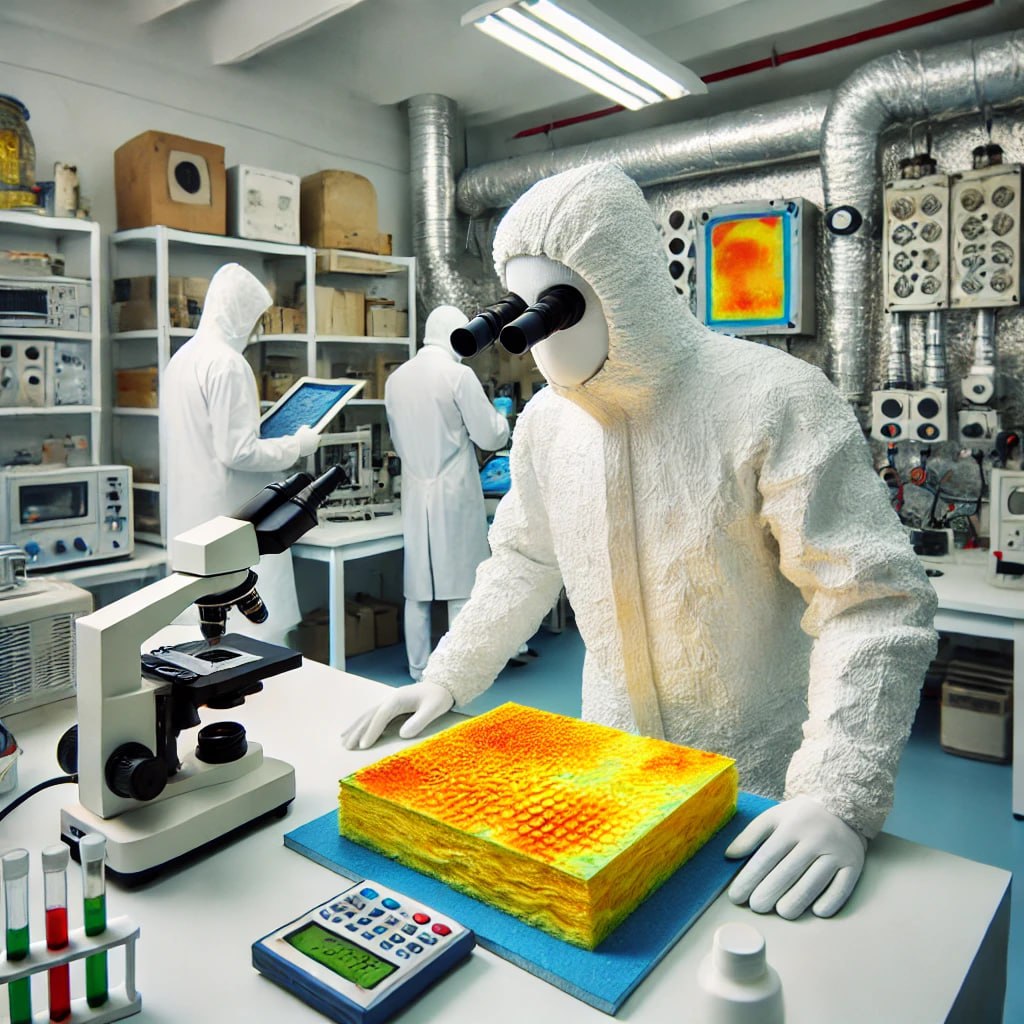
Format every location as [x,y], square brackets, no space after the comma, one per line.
[134,773]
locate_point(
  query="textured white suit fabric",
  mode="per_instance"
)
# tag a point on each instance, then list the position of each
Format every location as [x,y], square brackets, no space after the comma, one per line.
[738,576]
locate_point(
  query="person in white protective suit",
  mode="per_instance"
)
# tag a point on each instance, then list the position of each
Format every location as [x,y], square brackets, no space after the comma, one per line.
[739,579]
[437,410]
[213,455]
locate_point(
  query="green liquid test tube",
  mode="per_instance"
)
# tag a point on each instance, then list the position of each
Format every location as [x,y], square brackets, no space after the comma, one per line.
[92,851]
[15,872]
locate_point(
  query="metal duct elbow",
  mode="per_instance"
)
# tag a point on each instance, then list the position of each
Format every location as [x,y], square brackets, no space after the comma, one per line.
[902,87]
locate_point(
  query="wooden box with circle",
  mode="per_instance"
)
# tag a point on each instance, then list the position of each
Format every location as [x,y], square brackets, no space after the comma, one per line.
[170,180]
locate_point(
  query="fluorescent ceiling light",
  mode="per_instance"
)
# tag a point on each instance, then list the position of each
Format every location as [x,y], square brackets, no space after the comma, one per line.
[578,41]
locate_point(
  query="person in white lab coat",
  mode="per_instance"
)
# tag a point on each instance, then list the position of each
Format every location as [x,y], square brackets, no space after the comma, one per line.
[437,410]
[214,459]
[738,575]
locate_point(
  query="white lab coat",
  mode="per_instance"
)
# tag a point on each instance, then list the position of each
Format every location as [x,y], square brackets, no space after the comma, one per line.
[437,409]
[213,457]
[738,576]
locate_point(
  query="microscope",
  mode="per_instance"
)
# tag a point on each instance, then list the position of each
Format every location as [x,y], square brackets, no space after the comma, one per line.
[152,804]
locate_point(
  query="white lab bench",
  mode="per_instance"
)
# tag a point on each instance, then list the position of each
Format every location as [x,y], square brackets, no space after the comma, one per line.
[924,938]
[148,562]
[969,605]
[338,543]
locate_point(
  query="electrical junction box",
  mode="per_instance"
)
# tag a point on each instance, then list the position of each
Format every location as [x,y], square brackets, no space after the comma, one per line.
[929,415]
[26,373]
[890,415]
[1006,528]
[263,205]
[755,267]
[985,232]
[170,180]
[915,244]
[977,426]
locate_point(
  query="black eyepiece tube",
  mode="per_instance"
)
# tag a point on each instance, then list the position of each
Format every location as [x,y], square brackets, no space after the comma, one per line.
[272,496]
[556,309]
[482,331]
[286,524]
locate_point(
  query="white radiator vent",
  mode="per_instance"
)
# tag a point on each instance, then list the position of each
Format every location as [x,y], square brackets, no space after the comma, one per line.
[37,643]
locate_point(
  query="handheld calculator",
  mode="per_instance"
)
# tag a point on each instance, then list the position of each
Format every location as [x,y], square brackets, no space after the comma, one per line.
[364,954]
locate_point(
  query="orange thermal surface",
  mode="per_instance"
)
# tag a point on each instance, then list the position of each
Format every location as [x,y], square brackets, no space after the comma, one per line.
[748,269]
[565,792]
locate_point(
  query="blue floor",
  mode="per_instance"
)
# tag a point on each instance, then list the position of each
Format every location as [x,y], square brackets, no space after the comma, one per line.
[950,803]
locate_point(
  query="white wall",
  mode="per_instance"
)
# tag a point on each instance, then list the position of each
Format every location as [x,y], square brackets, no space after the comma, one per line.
[92,79]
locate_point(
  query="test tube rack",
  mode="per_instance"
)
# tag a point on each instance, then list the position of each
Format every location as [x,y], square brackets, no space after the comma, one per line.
[122,1000]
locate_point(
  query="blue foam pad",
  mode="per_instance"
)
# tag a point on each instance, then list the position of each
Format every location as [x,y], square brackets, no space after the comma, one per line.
[603,977]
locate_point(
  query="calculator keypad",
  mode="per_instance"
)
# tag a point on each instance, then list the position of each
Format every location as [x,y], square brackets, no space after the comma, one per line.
[387,922]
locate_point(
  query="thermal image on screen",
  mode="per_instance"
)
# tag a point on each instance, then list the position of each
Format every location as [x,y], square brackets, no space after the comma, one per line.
[755,267]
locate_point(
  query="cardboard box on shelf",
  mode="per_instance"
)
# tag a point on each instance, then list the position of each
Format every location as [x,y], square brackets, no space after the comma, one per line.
[338,210]
[135,302]
[359,628]
[384,366]
[275,384]
[172,180]
[348,313]
[330,261]
[137,388]
[324,298]
[385,619]
[386,322]
[283,320]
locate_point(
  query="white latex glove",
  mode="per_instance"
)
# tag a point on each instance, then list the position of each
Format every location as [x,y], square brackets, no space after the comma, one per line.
[308,440]
[424,701]
[805,855]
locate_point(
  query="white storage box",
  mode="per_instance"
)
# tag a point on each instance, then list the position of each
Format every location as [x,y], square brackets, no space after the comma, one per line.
[977,710]
[263,205]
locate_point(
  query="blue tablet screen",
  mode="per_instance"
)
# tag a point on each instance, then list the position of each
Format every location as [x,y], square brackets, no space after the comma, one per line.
[305,408]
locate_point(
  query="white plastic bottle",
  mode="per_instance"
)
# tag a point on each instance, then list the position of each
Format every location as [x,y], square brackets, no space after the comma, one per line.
[737,985]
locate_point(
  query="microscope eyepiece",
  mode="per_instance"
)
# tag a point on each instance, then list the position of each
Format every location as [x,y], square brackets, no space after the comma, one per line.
[482,331]
[556,309]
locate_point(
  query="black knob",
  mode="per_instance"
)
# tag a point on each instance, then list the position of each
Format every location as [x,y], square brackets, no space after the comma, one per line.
[973,430]
[134,773]
[60,547]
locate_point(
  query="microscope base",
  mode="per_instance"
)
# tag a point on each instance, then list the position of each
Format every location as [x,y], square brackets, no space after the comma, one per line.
[149,837]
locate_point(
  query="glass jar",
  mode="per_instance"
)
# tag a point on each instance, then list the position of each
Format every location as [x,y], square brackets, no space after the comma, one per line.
[17,156]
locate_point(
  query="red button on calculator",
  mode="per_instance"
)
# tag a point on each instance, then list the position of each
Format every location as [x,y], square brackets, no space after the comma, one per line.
[421,918]
[441,929]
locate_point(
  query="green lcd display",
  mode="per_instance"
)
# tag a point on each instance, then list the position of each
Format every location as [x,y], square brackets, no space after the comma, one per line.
[351,962]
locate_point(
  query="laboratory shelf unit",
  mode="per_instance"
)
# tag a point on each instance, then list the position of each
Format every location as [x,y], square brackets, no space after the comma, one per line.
[51,376]
[169,268]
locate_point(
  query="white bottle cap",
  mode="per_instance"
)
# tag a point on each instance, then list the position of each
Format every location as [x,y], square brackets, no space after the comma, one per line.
[55,858]
[92,848]
[15,864]
[739,952]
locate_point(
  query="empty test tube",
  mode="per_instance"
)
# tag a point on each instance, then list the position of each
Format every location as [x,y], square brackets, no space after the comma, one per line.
[15,871]
[55,897]
[92,851]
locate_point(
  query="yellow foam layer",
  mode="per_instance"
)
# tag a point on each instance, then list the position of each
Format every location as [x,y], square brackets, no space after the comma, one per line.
[565,824]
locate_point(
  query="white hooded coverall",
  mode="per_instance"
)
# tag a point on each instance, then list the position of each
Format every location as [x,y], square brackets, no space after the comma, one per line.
[214,459]
[739,578]
[437,410]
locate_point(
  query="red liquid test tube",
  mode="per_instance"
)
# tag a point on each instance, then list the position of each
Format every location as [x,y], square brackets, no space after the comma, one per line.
[55,896]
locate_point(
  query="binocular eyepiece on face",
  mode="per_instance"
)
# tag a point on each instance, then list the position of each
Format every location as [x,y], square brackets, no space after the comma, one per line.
[517,327]
[482,331]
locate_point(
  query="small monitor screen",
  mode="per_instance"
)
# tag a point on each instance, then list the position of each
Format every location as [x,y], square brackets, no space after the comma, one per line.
[353,963]
[305,407]
[1015,502]
[47,503]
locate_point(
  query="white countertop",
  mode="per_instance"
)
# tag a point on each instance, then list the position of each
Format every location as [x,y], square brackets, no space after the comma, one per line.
[332,535]
[964,586]
[898,953]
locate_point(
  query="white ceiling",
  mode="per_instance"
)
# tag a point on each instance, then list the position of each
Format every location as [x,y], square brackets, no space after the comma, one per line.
[387,50]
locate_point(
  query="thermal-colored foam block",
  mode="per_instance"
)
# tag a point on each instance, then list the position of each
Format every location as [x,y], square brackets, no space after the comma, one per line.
[565,824]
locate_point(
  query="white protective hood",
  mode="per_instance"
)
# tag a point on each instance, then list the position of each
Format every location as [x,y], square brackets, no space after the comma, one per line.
[738,576]
[437,331]
[213,457]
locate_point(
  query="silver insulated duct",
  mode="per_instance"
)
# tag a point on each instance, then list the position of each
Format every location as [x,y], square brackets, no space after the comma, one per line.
[906,86]
[771,133]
